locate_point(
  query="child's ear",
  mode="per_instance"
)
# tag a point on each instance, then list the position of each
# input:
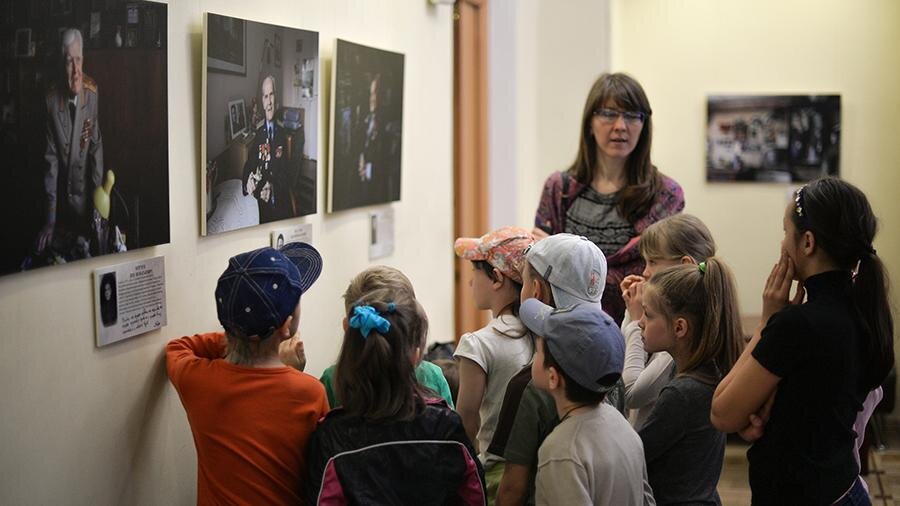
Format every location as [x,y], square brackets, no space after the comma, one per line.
[498,279]
[680,327]
[284,332]
[687,259]
[554,379]
[537,290]
[808,243]
[345,323]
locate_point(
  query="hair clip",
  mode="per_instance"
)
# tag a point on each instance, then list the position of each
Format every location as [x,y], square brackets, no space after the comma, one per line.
[798,202]
[366,319]
[702,267]
[391,307]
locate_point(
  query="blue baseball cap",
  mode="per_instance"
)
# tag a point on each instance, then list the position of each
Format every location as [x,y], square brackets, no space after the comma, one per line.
[261,288]
[586,342]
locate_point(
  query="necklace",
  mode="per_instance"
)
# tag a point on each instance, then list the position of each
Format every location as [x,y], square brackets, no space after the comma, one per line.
[571,410]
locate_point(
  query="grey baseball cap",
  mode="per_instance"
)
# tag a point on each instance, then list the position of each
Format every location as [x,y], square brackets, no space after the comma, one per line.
[573,265]
[586,342]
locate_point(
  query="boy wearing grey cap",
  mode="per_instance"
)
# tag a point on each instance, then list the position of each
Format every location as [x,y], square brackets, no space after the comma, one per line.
[593,456]
[562,270]
[251,416]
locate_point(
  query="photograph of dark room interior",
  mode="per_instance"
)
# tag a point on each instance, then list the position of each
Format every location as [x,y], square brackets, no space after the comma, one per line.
[261,96]
[367,126]
[83,127]
[773,138]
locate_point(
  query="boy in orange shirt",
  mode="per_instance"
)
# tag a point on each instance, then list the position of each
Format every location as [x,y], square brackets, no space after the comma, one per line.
[251,416]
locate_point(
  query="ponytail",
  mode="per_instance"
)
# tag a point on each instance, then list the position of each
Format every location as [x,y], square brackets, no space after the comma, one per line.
[705,295]
[375,375]
[723,318]
[840,218]
[872,304]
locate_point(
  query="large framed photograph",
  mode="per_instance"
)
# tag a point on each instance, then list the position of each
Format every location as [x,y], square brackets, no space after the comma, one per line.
[270,172]
[228,44]
[237,117]
[367,126]
[773,138]
[86,145]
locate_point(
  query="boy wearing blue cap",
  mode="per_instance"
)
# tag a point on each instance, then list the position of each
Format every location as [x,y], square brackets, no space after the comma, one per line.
[593,456]
[251,416]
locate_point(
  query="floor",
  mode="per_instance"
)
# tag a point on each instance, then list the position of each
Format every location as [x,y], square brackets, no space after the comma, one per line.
[883,478]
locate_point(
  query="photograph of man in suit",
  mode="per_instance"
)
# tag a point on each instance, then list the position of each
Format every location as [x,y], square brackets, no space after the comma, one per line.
[267,172]
[73,158]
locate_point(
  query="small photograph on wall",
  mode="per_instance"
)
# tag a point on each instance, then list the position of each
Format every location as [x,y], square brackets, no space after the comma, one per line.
[260,124]
[773,138]
[83,131]
[367,127]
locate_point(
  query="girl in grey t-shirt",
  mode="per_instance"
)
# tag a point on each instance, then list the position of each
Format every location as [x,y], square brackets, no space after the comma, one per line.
[690,311]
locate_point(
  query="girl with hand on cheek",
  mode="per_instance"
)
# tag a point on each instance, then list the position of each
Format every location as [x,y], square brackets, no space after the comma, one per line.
[808,369]
[676,240]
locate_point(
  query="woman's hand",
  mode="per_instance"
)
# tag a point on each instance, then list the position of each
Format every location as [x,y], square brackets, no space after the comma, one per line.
[634,296]
[778,288]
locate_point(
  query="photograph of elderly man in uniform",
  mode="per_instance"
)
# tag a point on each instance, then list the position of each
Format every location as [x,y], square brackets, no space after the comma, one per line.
[84,131]
[264,168]
[74,160]
[267,173]
[368,126]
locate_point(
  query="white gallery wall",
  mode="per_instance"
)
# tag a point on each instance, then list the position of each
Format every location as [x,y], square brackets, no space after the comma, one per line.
[542,58]
[682,51]
[82,425]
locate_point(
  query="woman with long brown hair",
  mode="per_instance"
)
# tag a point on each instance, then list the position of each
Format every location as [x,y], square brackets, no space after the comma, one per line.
[612,191]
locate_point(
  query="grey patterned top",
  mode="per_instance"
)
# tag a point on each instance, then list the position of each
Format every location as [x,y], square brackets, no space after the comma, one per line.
[596,216]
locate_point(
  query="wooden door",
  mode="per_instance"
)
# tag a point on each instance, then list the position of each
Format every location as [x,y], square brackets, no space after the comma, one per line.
[470,147]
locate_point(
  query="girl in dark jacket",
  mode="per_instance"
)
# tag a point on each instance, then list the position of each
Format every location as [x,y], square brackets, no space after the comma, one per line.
[390,442]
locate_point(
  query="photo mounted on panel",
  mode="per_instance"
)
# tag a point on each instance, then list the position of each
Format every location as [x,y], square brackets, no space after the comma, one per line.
[260,130]
[773,138]
[84,130]
[367,127]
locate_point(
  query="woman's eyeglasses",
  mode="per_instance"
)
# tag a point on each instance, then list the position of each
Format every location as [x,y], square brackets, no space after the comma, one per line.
[611,115]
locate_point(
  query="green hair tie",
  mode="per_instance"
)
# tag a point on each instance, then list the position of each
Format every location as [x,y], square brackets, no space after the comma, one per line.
[702,266]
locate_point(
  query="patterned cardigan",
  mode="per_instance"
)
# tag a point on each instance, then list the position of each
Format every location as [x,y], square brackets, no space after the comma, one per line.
[561,189]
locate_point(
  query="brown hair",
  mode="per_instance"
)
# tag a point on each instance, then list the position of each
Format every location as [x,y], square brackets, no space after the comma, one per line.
[488,269]
[247,351]
[706,296]
[643,179]
[676,236]
[840,218]
[375,375]
[376,278]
